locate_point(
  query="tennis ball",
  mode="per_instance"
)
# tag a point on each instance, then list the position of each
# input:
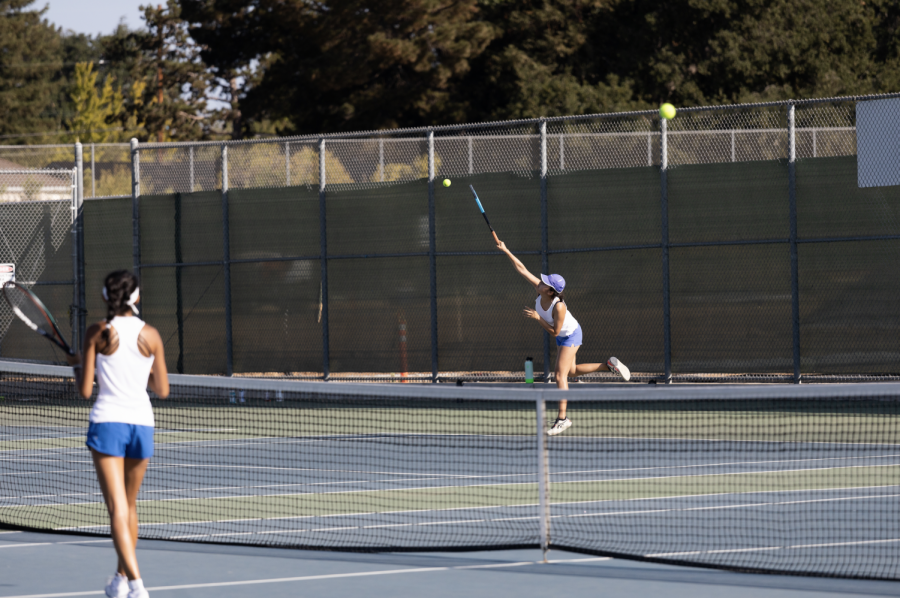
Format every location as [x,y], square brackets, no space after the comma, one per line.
[667,111]
[446,182]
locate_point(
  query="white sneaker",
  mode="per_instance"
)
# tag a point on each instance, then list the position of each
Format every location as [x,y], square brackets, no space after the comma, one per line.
[559,426]
[618,367]
[117,586]
[136,589]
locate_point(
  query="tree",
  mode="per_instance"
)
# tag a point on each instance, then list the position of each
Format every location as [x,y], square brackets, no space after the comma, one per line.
[96,115]
[29,59]
[166,79]
[350,64]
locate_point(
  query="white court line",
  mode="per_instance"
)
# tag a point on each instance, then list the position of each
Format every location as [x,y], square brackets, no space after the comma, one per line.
[762,548]
[305,578]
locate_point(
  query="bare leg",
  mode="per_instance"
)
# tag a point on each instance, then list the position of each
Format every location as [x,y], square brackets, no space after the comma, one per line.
[588,368]
[120,482]
[565,362]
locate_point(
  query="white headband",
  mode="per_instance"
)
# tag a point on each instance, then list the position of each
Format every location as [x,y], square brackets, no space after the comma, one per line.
[132,300]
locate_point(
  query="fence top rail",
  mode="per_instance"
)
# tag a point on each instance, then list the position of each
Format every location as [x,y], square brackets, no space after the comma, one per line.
[524,121]
[66,171]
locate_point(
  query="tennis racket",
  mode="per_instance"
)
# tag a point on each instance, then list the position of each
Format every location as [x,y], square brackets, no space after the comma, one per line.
[481,208]
[34,314]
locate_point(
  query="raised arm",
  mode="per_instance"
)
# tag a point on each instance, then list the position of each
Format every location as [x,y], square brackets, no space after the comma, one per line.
[519,266]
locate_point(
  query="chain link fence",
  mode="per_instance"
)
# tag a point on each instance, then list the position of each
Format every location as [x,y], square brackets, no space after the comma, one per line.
[37,242]
[729,243]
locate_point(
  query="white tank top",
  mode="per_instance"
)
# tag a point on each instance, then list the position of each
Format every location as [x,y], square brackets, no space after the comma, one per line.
[570,324]
[123,377]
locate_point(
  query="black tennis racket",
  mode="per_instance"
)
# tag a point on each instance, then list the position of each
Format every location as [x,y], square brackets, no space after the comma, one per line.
[34,314]
[481,209]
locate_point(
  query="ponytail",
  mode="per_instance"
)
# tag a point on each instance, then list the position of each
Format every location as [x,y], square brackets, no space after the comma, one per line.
[117,289]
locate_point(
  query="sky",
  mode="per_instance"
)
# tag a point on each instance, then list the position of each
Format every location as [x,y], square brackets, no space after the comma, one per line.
[93,16]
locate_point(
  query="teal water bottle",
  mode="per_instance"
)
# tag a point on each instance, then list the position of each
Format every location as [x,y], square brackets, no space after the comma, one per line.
[529,371]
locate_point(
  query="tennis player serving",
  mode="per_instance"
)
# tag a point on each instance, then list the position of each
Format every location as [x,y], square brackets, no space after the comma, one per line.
[128,357]
[551,313]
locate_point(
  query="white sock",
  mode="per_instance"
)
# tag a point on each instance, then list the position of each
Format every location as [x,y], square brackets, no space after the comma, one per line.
[137,584]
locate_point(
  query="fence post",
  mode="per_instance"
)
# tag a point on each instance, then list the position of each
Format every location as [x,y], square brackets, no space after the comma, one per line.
[545,262]
[543,478]
[93,174]
[664,204]
[287,164]
[795,281]
[135,206]
[73,318]
[191,154]
[79,320]
[432,259]
[226,265]
[179,290]
[323,251]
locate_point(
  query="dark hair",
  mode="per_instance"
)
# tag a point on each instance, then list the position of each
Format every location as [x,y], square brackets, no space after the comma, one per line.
[558,294]
[119,286]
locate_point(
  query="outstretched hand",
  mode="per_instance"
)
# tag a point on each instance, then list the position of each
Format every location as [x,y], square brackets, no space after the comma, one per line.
[502,246]
[530,314]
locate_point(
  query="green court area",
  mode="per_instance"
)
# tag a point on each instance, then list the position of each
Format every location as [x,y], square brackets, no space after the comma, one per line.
[56,427]
[457,495]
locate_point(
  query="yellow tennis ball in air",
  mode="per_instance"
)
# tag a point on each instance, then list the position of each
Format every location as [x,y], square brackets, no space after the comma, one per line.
[667,111]
[446,182]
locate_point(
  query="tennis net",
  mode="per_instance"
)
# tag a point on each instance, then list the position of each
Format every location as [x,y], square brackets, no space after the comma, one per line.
[800,479]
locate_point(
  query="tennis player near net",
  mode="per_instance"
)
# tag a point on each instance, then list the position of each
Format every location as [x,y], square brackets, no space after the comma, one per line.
[551,313]
[128,357]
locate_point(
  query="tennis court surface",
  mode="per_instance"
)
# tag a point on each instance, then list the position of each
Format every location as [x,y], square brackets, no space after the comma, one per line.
[800,479]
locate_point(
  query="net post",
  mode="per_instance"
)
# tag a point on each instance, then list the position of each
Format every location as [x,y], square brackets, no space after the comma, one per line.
[323,253]
[432,259]
[664,233]
[543,479]
[795,281]
[226,265]
[78,321]
[135,206]
[545,261]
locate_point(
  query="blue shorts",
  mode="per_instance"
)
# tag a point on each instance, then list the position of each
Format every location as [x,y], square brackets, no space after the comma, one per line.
[573,340]
[121,440]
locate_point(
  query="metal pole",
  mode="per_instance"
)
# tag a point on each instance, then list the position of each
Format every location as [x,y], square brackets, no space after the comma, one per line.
[93,177]
[562,151]
[226,265]
[191,154]
[287,164]
[432,259]
[649,148]
[664,204]
[543,480]
[795,281]
[74,231]
[78,308]
[471,155]
[814,143]
[732,145]
[323,250]
[179,291]
[545,262]
[135,206]
[381,160]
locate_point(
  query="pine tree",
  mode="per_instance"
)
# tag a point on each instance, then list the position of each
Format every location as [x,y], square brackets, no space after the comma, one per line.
[30,57]
[96,115]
